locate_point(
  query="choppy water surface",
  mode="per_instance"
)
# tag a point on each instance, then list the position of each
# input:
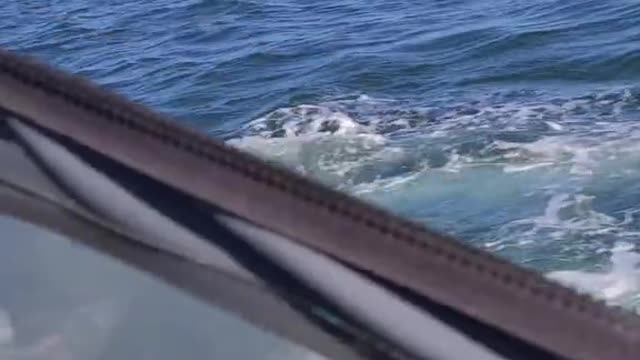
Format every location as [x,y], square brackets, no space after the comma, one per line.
[511,124]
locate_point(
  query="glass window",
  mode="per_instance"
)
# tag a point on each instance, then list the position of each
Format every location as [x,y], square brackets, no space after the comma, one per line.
[62,301]
[512,126]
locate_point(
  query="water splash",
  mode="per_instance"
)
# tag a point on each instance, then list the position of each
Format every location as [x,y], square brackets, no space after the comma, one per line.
[618,283]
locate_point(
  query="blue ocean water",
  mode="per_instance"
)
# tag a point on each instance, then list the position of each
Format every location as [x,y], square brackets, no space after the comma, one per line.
[512,124]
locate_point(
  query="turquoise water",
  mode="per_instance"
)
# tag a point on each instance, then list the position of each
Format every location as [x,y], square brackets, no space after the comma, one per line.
[511,124]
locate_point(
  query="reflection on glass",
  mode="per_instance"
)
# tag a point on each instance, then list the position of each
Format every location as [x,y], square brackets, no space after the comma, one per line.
[62,301]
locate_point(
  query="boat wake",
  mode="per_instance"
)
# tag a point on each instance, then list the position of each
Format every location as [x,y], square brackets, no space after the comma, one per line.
[546,181]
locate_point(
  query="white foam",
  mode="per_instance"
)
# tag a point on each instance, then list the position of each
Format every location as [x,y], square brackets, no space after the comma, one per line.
[367,125]
[554,126]
[565,216]
[387,184]
[320,142]
[521,168]
[305,120]
[618,284]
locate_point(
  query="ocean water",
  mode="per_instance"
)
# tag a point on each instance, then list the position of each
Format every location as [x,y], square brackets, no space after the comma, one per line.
[511,124]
